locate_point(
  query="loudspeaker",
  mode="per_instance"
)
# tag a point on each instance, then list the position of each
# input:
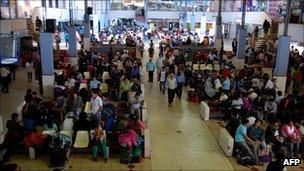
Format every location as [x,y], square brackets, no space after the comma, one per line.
[90,10]
[50,25]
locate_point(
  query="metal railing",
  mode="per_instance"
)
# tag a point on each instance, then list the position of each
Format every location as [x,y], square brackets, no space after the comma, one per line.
[8,48]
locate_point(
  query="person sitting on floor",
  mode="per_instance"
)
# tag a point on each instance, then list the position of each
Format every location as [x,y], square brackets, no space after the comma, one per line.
[50,125]
[256,133]
[244,142]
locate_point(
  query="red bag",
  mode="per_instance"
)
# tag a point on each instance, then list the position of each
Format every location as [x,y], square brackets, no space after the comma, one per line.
[34,139]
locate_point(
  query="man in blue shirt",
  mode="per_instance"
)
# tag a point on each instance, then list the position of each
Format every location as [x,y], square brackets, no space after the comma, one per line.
[244,142]
[94,84]
[226,84]
[180,78]
[150,67]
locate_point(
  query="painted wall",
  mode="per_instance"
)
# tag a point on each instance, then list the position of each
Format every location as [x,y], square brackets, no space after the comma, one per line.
[18,26]
[296,31]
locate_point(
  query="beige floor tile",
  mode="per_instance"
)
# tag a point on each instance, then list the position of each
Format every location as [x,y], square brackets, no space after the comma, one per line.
[195,148]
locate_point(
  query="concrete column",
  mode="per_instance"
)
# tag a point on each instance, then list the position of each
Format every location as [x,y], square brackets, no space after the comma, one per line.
[71,13]
[104,18]
[219,21]
[282,58]
[218,34]
[203,25]
[185,16]
[73,46]
[192,22]
[241,39]
[86,39]
[47,64]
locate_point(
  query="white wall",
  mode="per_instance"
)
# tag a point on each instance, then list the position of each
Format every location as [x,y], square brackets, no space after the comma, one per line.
[251,17]
[296,31]
[163,15]
[122,14]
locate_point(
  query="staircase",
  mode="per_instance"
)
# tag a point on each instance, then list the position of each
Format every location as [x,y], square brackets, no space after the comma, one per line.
[259,43]
[273,31]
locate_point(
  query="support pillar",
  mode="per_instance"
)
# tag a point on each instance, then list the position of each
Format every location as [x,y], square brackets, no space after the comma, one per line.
[185,16]
[203,25]
[86,39]
[282,58]
[241,40]
[73,46]
[192,21]
[104,18]
[47,64]
[95,25]
[219,36]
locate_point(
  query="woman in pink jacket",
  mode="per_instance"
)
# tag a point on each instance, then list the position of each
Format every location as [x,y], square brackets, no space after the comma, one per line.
[292,138]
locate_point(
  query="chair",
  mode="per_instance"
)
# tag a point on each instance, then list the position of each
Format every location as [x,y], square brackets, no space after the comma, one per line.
[67,133]
[82,139]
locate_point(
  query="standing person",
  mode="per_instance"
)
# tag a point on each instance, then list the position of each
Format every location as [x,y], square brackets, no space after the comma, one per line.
[38,24]
[98,140]
[172,85]
[159,63]
[150,67]
[66,38]
[141,47]
[266,26]
[29,68]
[151,52]
[97,106]
[234,45]
[6,78]
[180,78]
[162,77]
[244,142]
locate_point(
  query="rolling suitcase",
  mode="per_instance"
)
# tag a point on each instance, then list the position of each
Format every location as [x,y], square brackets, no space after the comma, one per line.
[125,155]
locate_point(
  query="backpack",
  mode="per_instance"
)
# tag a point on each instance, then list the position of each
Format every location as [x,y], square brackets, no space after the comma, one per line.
[243,158]
[135,72]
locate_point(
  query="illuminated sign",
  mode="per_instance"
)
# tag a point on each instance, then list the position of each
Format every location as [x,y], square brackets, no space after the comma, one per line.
[7,61]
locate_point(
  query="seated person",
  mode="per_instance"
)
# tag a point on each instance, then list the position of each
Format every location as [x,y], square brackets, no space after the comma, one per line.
[136,103]
[256,133]
[13,125]
[233,124]
[277,165]
[292,138]
[272,135]
[244,142]
[50,125]
[68,122]
[270,109]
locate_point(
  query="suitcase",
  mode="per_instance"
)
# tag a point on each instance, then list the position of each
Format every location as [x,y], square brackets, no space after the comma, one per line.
[204,111]
[125,155]
[226,142]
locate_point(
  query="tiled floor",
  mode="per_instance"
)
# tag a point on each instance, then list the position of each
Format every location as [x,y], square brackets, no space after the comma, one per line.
[195,147]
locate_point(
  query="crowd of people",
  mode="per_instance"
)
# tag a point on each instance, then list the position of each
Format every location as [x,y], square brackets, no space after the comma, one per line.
[103,95]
